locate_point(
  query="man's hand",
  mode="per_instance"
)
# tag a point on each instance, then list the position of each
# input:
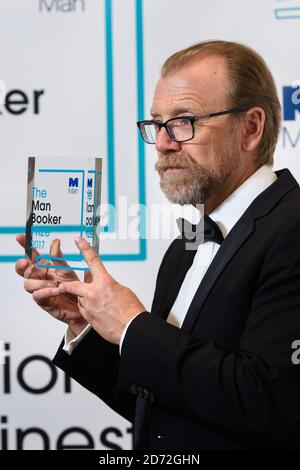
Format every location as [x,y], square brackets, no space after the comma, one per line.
[104,303]
[43,284]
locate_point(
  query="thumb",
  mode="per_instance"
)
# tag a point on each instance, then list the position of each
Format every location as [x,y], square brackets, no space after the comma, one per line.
[55,252]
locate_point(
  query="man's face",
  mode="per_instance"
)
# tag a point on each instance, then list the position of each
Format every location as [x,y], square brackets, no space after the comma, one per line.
[191,172]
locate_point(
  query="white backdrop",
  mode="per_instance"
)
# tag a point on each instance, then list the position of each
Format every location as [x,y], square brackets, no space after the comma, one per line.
[78,74]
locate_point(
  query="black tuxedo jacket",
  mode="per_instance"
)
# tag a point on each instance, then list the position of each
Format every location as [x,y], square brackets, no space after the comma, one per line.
[226,379]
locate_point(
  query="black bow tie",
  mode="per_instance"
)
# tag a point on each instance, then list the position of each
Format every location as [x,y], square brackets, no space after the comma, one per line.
[190,231]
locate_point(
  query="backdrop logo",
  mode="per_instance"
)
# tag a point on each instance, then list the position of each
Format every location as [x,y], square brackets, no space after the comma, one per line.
[73,182]
[61,6]
[17,101]
[73,186]
[291,114]
[291,102]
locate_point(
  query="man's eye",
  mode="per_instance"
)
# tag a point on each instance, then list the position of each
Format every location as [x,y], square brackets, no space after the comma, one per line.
[183,122]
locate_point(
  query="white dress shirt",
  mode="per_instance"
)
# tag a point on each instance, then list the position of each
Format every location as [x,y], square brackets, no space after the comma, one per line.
[226,216]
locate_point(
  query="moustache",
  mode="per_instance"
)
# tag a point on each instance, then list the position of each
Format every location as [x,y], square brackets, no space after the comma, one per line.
[174,162]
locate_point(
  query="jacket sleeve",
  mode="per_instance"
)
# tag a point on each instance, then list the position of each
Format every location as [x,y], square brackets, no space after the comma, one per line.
[254,390]
[94,364]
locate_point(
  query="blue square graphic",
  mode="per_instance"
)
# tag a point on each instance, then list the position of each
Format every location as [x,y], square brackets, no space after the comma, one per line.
[142,252]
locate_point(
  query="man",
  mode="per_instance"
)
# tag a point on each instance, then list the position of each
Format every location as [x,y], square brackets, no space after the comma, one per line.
[210,367]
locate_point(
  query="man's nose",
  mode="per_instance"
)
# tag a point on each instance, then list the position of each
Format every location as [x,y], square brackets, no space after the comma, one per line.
[164,143]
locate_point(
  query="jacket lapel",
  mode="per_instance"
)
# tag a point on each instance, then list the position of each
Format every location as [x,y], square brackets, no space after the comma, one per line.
[172,276]
[185,265]
[226,251]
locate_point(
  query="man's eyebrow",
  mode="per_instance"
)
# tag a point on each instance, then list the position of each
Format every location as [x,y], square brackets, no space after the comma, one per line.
[153,114]
[177,112]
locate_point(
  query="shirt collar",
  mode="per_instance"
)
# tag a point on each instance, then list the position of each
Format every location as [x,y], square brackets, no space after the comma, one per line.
[232,208]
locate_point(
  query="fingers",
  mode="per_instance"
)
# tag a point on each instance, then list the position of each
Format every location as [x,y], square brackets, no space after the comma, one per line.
[92,259]
[25,268]
[21,266]
[76,288]
[32,285]
[45,294]
[21,239]
[41,290]
[33,272]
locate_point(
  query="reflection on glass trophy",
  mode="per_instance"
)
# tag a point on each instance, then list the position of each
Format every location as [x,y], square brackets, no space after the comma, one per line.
[63,201]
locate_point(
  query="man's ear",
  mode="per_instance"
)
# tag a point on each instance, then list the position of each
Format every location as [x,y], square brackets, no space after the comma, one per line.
[254,123]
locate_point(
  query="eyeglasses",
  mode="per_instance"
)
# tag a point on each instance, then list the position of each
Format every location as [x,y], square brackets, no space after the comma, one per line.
[179,129]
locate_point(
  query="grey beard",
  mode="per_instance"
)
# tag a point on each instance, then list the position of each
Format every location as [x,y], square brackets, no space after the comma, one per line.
[194,188]
[195,192]
[198,184]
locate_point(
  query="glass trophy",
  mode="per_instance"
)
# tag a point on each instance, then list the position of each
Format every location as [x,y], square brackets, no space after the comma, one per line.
[63,202]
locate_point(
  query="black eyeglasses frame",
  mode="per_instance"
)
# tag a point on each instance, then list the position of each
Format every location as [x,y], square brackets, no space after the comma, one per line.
[192,120]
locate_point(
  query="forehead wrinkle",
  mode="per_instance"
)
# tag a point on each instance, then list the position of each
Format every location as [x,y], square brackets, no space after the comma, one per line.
[179,105]
[199,99]
[180,99]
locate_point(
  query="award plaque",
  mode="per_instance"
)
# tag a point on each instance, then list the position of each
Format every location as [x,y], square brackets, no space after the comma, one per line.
[63,202]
